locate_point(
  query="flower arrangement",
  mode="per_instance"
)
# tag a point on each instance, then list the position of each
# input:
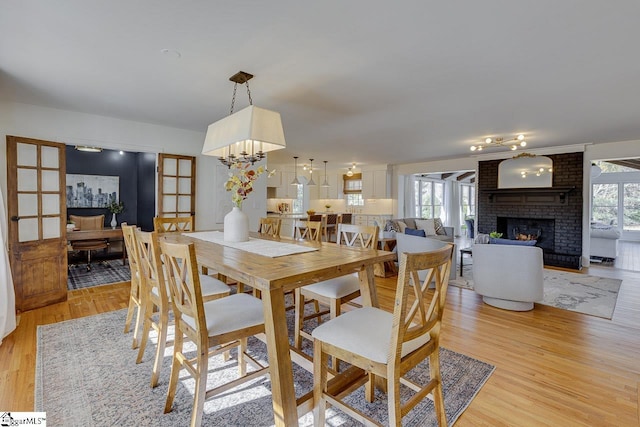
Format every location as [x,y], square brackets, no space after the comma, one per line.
[241,179]
[115,207]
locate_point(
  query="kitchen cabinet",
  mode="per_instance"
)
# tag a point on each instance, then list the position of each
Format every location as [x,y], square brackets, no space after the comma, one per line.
[374,184]
[371,220]
[334,191]
[285,190]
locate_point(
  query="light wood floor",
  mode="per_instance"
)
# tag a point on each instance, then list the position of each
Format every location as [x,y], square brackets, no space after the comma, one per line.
[553,367]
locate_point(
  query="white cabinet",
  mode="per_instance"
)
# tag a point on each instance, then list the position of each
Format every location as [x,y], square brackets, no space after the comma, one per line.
[334,191]
[374,184]
[371,220]
[285,190]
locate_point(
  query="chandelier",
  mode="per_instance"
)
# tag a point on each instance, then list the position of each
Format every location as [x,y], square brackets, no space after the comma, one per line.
[513,143]
[247,135]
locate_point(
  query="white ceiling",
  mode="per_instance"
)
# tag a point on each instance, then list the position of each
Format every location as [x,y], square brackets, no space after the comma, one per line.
[355,81]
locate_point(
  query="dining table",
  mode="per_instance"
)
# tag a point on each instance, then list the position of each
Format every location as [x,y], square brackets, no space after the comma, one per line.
[275,275]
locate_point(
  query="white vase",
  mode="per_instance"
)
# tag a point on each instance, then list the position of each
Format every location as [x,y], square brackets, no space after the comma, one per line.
[236,226]
[114,222]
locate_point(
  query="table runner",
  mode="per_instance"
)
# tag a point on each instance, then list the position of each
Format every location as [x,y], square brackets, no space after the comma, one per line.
[269,248]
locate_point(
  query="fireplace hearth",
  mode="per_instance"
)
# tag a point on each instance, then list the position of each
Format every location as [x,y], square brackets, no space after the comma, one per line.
[541,230]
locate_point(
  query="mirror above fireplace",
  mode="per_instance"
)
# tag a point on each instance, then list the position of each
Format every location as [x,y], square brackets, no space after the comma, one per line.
[526,171]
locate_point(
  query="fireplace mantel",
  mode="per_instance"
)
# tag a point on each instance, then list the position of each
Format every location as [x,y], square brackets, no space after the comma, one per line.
[525,196]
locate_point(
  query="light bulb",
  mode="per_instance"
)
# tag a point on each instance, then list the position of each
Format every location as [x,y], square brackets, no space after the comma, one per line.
[349,173]
[523,144]
[473,148]
[514,147]
[520,137]
[479,147]
[488,140]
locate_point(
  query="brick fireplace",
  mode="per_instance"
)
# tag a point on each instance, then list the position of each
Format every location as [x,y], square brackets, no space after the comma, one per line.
[556,211]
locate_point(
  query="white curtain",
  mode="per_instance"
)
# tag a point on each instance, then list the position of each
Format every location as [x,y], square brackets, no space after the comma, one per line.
[7,294]
[409,196]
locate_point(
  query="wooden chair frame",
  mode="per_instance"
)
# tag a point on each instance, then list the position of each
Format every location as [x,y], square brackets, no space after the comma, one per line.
[270,226]
[186,296]
[156,298]
[309,230]
[415,314]
[136,293]
[172,224]
[362,236]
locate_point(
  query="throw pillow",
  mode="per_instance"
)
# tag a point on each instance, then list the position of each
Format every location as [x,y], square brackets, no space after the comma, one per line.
[391,226]
[414,232]
[402,225]
[437,222]
[428,225]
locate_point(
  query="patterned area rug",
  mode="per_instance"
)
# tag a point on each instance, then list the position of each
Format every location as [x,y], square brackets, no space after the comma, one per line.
[99,383]
[582,293]
[101,273]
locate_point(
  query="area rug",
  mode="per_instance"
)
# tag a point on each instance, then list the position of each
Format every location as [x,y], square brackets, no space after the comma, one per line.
[86,375]
[582,293]
[101,273]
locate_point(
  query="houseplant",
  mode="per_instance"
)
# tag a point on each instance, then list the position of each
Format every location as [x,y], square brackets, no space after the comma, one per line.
[240,184]
[115,208]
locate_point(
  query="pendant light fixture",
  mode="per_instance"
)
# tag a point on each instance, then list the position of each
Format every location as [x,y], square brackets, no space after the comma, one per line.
[311,181]
[325,183]
[295,171]
[350,170]
[246,135]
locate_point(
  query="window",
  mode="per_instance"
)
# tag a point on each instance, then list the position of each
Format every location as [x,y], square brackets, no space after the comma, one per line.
[467,200]
[429,198]
[605,203]
[353,189]
[355,199]
[631,206]
[298,202]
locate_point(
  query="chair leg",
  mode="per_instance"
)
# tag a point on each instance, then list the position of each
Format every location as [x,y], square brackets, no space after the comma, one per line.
[438,396]
[200,387]
[163,325]
[299,318]
[130,309]
[175,371]
[242,362]
[139,319]
[393,394]
[146,328]
[370,388]
[334,311]
[320,360]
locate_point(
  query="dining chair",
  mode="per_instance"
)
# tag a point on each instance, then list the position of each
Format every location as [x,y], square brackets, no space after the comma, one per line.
[170,224]
[83,223]
[345,218]
[309,230]
[389,345]
[333,292]
[270,226]
[135,294]
[156,298]
[331,226]
[213,327]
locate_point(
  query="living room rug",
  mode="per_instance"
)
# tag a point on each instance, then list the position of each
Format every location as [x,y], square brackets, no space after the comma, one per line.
[101,273]
[86,375]
[582,293]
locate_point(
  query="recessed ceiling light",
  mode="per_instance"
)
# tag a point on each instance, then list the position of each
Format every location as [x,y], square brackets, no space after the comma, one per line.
[172,53]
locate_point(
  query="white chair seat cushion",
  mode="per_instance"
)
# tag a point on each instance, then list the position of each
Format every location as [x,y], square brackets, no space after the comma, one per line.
[212,286]
[335,288]
[365,332]
[230,314]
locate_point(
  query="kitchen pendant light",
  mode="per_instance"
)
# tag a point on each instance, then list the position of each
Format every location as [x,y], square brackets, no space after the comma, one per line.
[311,181]
[325,183]
[295,171]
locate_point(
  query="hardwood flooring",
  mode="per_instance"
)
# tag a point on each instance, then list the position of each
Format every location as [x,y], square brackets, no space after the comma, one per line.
[553,367]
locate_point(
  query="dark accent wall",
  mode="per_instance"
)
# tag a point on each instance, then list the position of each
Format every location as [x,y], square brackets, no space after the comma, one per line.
[567,172]
[137,182]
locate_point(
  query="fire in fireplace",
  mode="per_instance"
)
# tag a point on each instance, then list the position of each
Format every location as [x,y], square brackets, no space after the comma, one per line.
[540,229]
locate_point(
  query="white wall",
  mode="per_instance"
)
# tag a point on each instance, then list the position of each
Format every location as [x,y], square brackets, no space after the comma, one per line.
[74,128]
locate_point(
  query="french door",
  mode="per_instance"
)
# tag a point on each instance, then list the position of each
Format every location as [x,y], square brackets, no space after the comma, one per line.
[37,227]
[176,185]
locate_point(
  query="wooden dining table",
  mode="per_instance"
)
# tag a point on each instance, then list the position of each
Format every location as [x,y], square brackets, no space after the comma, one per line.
[275,276]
